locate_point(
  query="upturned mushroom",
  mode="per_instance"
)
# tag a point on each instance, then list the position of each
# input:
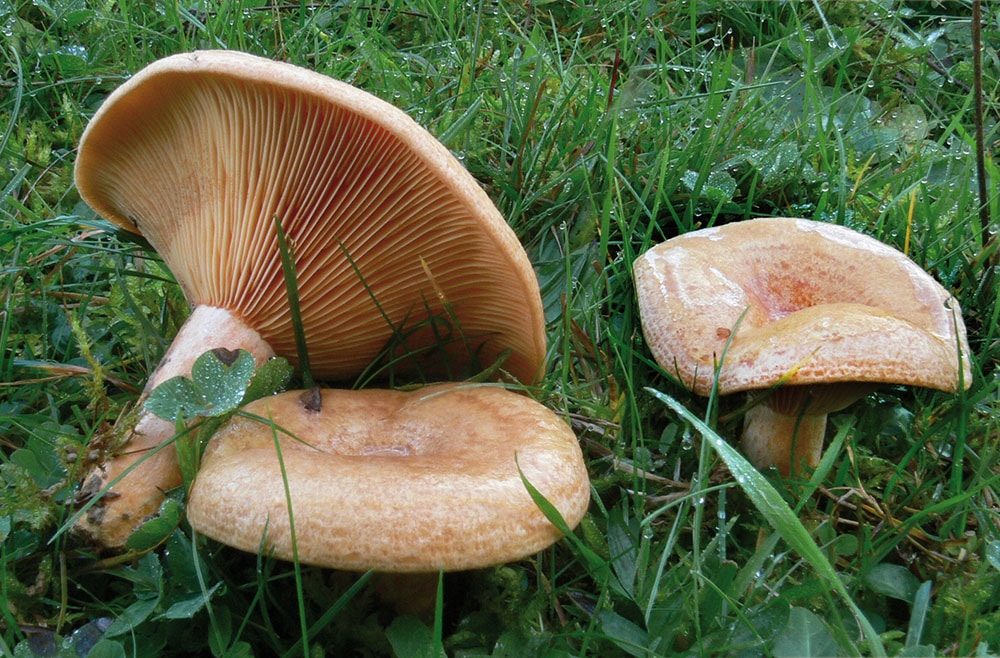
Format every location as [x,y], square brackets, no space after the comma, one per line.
[402,259]
[394,481]
[808,315]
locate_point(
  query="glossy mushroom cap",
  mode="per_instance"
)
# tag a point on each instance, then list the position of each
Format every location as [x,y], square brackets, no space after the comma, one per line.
[200,153]
[810,303]
[393,481]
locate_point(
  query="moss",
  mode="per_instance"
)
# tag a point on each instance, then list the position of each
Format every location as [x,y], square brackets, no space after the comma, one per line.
[965,611]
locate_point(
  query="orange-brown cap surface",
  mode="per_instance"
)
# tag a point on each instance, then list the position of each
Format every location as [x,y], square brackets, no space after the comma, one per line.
[393,481]
[200,153]
[822,304]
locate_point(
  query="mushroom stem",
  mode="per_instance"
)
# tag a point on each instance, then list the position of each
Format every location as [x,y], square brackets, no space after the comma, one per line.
[774,438]
[141,492]
[787,429]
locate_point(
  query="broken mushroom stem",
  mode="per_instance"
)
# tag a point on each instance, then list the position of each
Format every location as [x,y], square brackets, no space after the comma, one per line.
[140,492]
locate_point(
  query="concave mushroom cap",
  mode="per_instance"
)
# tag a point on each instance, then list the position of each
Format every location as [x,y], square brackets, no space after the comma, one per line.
[393,481]
[822,304]
[200,153]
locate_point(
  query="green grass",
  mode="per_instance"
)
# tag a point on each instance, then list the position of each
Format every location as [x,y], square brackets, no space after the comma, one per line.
[598,130]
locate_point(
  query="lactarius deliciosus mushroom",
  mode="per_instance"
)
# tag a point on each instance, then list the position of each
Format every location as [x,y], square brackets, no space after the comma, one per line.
[393,481]
[401,258]
[820,313]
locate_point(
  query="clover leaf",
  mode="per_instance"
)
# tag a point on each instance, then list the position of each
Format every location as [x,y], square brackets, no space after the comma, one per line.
[219,379]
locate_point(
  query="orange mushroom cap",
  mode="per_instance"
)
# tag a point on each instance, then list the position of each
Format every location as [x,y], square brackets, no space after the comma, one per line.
[393,481]
[822,304]
[824,311]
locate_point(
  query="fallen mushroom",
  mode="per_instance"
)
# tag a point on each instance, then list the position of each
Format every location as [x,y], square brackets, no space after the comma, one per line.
[820,313]
[393,481]
[402,259]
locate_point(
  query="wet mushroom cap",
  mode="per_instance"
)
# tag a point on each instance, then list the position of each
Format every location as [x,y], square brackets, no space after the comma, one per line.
[395,242]
[393,481]
[810,303]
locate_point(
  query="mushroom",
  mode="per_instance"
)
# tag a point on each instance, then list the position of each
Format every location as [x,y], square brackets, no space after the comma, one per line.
[402,260]
[808,315]
[416,481]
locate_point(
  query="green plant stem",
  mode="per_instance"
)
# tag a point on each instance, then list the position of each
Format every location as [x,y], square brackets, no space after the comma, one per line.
[977,91]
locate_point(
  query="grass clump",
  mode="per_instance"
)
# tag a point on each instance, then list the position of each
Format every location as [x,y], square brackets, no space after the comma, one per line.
[599,130]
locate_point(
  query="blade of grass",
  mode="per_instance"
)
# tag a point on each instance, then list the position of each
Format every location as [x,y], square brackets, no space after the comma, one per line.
[769,502]
[292,289]
[299,594]
[331,613]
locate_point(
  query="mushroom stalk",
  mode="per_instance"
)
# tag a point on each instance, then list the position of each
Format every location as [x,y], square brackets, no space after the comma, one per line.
[140,493]
[785,441]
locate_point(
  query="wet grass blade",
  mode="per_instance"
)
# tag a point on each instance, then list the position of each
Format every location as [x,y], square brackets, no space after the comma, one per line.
[769,502]
[292,286]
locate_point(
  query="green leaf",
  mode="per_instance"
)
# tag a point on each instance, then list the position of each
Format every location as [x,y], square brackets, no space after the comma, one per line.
[175,398]
[630,638]
[146,576]
[719,187]
[222,382]
[216,387]
[187,607]
[766,622]
[132,616]
[107,649]
[805,635]
[40,460]
[152,533]
[410,638]
[993,553]
[892,580]
[220,632]
[623,545]
[271,377]
[918,616]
